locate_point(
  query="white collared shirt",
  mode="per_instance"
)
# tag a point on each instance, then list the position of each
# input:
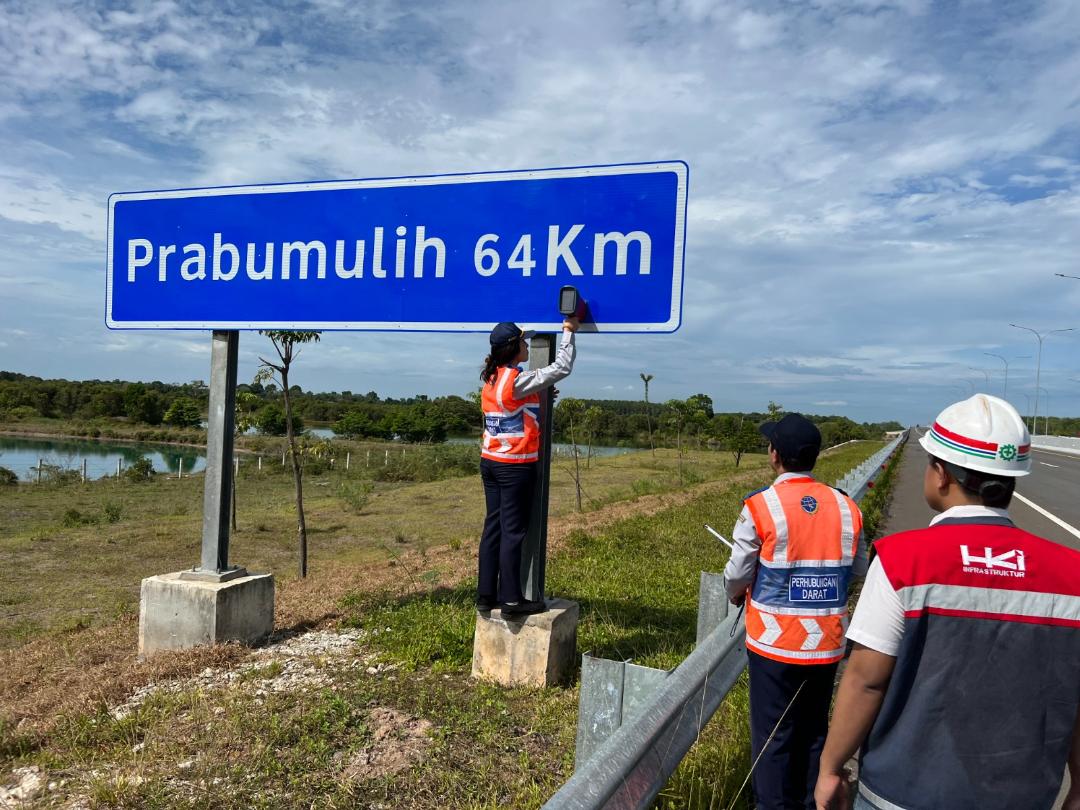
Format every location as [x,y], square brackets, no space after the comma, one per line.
[529,382]
[878,622]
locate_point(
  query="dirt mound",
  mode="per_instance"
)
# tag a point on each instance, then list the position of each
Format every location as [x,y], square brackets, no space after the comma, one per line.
[399,741]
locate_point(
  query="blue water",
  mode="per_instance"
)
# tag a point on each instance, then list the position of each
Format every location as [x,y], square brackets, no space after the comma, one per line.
[21,456]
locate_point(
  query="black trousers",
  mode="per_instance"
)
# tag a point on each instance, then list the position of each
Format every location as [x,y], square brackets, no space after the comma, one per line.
[508,491]
[787,772]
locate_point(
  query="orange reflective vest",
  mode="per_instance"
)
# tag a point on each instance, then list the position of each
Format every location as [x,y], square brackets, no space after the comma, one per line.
[511,426]
[797,609]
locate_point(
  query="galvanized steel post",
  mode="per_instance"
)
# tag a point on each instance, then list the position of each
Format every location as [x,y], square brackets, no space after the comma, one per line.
[219,456]
[712,604]
[534,550]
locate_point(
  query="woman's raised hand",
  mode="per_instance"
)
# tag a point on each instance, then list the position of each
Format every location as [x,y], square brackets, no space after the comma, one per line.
[571,324]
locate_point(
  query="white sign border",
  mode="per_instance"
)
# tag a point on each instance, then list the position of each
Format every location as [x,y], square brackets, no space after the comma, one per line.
[680,168]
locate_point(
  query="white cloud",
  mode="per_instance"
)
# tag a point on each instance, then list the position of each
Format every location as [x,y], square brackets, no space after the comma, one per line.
[754,31]
[865,175]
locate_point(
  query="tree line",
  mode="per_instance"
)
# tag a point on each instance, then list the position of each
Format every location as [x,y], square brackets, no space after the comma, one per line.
[627,423]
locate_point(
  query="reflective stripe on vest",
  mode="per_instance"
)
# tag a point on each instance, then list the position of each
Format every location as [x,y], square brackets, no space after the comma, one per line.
[511,426]
[797,611]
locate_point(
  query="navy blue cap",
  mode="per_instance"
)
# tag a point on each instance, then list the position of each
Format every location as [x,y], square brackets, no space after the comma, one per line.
[794,437]
[506,332]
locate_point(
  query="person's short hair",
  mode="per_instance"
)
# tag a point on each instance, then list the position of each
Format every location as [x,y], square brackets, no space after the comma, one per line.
[993,491]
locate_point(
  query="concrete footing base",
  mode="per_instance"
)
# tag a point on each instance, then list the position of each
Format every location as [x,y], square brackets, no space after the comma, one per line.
[537,650]
[176,612]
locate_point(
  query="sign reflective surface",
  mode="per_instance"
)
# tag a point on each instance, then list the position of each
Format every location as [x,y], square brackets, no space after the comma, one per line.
[441,253]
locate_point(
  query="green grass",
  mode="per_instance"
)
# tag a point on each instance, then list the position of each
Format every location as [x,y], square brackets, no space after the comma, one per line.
[636,581]
[637,585]
[78,551]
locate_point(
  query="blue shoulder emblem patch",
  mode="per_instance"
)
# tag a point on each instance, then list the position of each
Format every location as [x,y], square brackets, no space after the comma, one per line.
[809,504]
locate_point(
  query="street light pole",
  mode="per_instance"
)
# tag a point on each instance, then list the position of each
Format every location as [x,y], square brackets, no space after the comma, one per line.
[1038,362]
[1046,416]
[985,373]
[1005,388]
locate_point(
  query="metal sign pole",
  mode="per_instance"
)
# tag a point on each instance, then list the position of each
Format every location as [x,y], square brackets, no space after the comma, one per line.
[534,552]
[219,460]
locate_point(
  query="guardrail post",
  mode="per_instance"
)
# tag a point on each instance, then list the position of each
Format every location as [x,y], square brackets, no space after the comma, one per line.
[600,702]
[639,686]
[712,604]
[612,694]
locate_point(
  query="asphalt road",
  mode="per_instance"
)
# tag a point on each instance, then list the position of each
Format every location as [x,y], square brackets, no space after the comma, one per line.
[1054,486]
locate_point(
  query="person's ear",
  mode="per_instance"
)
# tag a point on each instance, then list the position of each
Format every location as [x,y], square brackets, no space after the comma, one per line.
[940,476]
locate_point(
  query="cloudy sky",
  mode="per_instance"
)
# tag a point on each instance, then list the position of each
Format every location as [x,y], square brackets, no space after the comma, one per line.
[877,189]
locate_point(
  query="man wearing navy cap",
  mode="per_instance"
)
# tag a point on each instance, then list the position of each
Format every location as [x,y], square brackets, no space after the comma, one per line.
[798,545]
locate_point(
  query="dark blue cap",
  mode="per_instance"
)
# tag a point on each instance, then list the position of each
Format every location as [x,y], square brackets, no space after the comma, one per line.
[794,437]
[507,332]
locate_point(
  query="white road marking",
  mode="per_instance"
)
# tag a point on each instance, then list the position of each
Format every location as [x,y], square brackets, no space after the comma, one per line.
[1070,529]
[1055,466]
[1072,456]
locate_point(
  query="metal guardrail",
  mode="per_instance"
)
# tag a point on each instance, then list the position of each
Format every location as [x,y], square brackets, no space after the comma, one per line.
[858,482]
[631,766]
[1060,444]
[635,724]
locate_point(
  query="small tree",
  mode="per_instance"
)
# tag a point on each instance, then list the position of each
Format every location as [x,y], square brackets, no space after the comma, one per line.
[574,410]
[647,378]
[740,436]
[682,415]
[269,420]
[355,423]
[243,421]
[183,412]
[590,421]
[285,344]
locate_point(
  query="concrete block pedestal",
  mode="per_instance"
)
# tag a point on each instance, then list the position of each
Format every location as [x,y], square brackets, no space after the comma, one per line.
[536,650]
[177,612]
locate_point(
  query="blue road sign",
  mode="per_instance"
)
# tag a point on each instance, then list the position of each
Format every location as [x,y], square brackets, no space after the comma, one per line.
[443,253]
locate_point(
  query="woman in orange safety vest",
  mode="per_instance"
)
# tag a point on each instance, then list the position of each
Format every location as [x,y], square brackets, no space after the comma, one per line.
[510,399]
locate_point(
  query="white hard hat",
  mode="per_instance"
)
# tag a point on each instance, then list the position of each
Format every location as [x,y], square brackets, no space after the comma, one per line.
[982,433]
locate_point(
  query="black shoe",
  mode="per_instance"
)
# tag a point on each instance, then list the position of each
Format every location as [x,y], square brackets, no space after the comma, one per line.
[485,604]
[523,608]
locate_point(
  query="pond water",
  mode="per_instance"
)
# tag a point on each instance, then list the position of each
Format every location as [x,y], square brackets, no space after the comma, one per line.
[21,456]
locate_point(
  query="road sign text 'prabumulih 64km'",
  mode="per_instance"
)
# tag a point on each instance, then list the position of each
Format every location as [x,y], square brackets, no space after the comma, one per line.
[441,253]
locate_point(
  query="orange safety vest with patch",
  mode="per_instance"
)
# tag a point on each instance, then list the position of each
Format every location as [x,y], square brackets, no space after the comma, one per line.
[797,608]
[511,426]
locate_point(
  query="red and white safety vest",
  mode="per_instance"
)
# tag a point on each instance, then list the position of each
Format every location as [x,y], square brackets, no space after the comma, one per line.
[797,610]
[980,708]
[511,426]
